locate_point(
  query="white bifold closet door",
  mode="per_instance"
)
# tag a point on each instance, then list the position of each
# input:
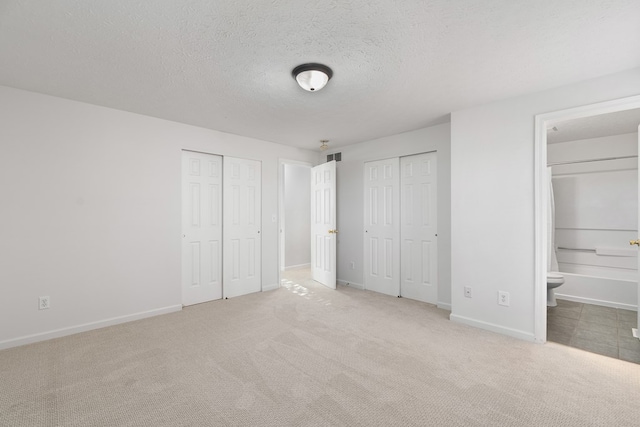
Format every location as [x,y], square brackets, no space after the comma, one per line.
[382,226]
[418,228]
[201,227]
[400,227]
[242,227]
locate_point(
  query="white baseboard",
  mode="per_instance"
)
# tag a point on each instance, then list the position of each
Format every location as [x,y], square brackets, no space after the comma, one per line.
[597,302]
[57,333]
[350,284]
[297,267]
[272,287]
[444,305]
[493,328]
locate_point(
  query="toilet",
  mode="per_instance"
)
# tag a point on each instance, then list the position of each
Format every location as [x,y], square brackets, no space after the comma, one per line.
[554,279]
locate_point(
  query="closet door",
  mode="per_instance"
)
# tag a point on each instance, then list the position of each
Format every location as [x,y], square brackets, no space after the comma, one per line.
[382,227]
[242,227]
[419,231]
[201,227]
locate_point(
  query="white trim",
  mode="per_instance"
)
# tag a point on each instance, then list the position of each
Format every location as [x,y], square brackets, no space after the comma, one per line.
[540,189]
[444,305]
[515,333]
[593,301]
[271,287]
[350,284]
[540,227]
[297,267]
[57,333]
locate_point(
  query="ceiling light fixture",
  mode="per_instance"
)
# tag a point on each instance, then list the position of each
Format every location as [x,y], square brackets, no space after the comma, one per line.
[323,145]
[312,77]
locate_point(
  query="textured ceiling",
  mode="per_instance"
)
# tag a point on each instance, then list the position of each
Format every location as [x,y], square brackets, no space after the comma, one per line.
[598,126]
[226,64]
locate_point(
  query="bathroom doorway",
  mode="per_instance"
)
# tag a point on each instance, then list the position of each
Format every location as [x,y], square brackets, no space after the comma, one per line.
[593,157]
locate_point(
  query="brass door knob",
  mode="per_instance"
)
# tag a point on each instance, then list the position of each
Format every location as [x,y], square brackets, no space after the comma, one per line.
[634,242]
[333,231]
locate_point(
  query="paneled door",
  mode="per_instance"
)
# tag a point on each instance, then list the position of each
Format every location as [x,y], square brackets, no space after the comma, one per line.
[323,224]
[201,227]
[382,227]
[419,251]
[242,227]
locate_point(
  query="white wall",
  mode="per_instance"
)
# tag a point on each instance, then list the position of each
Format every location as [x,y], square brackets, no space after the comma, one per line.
[90,212]
[492,200]
[350,199]
[297,216]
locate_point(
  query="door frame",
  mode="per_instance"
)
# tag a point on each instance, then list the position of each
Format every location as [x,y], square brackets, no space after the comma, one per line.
[281,210]
[540,196]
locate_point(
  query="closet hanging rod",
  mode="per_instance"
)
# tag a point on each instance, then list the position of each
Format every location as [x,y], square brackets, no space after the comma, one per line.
[571,162]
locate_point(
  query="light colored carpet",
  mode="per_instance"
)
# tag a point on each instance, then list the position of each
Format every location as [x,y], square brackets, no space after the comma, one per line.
[305,355]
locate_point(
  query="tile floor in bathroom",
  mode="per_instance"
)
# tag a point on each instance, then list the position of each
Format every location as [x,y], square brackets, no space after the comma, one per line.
[594,328]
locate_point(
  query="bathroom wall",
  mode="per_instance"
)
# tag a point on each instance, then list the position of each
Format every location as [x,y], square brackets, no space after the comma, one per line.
[596,216]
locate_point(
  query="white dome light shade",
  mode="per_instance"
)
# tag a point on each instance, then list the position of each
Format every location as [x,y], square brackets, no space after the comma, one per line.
[312,80]
[312,77]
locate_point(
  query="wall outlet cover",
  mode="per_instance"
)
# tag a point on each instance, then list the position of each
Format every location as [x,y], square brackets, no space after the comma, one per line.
[503,298]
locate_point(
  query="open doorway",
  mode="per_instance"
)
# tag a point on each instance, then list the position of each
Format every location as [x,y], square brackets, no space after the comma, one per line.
[295,222]
[592,171]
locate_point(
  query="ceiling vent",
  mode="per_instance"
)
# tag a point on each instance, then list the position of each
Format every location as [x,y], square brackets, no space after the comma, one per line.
[336,156]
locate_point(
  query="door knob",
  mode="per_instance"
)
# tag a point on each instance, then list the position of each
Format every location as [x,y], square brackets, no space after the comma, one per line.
[634,242]
[333,231]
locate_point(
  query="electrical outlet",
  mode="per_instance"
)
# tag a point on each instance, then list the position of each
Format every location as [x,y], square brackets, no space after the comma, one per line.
[503,298]
[44,303]
[353,265]
[467,291]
